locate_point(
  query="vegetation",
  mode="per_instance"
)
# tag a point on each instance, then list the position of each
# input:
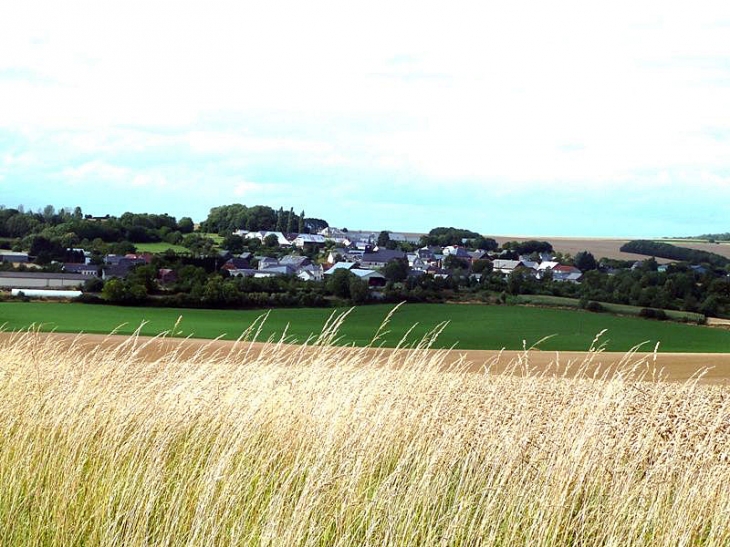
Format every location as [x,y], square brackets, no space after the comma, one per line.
[469,326]
[673,252]
[327,446]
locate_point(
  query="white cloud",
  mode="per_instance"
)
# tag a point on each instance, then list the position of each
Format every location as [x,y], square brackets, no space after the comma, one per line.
[246,189]
[503,97]
[96,170]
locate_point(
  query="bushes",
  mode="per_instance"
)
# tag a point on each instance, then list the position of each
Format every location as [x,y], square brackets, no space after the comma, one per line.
[651,313]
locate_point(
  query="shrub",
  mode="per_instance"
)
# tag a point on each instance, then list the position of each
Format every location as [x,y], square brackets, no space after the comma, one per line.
[652,313]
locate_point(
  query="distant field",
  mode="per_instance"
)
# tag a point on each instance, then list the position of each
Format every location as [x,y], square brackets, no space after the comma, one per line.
[609,247]
[470,326]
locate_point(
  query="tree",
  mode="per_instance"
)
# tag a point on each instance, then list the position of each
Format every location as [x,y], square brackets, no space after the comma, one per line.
[452,262]
[383,238]
[358,290]
[396,270]
[280,220]
[290,221]
[482,266]
[186,225]
[301,226]
[233,243]
[338,283]
[485,243]
[585,261]
[271,241]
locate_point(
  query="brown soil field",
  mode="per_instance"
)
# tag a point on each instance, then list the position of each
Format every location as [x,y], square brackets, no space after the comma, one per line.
[673,367]
[599,247]
[609,247]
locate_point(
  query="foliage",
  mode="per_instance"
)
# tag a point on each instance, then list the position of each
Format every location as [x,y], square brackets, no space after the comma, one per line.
[447,236]
[585,261]
[673,252]
[528,247]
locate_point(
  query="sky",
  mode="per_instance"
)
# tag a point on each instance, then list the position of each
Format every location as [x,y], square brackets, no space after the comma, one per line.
[556,118]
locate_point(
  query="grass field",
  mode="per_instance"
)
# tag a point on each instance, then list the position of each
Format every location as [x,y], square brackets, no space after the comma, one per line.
[470,326]
[281,447]
[161,247]
[622,309]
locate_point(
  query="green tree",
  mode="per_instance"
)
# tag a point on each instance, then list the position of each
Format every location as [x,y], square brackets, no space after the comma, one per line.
[233,243]
[383,239]
[358,290]
[338,283]
[290,221]
[186,225]
[302,227]
[271,241]
[585,261]
[396,270]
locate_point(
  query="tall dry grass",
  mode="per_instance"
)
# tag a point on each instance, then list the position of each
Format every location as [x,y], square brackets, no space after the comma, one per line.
[317,445]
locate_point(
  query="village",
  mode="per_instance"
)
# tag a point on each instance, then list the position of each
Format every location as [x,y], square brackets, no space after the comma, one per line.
[326,252]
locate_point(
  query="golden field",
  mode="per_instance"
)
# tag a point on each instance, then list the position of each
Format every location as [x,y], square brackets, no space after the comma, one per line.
[157,442]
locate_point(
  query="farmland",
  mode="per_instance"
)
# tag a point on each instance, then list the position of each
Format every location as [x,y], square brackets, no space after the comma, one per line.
[336,446]
[469,326]
[610,247]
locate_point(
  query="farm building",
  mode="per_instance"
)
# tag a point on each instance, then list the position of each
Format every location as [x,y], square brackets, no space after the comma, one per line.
[33,280]
[45,293]
[13,257]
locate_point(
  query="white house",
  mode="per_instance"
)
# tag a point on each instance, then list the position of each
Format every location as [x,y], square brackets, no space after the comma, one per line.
[263,234]
[309,239]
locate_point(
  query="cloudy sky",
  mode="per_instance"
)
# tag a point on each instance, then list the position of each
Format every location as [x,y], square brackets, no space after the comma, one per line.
[532,118]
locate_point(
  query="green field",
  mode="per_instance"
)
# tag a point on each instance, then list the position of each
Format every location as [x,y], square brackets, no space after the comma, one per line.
[161,247]
[470,326]
[620,309]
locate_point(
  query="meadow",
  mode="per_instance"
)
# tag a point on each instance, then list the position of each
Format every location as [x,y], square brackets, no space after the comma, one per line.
[265,445]
[469,326]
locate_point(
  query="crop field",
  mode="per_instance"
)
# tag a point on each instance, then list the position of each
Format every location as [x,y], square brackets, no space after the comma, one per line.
[468,326]
[275,445]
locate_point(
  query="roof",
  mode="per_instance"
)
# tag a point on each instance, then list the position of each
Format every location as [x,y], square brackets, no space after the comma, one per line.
[383,256]
[500,264]
[366,274]
[341,266]
[566,269]
[237,263]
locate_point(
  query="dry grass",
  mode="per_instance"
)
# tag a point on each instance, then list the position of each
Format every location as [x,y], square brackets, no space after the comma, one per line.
[266,445]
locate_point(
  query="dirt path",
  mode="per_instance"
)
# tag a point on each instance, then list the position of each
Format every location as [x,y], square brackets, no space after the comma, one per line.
[671,366]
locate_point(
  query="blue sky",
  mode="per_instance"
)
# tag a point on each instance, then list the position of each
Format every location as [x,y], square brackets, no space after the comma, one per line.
[511,118]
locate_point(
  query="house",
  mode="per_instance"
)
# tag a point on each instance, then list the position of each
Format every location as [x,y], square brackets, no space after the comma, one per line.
[34,280]
[236,263]
[263,234]
[479,255]
[373,278]
[506,267]
[405,238]
[243,272]
[265,262]
[309,239]
[83,269]
[274,271]
[566,273]
[340,266]
[14,257]
[457,251]
[380,258]
[544,267]
[295,261]
[311,273]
